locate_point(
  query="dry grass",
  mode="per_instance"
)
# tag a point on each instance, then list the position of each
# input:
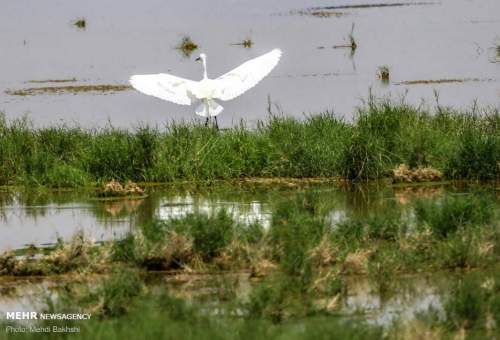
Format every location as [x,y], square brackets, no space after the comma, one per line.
[357,262]
[323,254]
[114,188]
[74,255]
[404,174]
[178,250]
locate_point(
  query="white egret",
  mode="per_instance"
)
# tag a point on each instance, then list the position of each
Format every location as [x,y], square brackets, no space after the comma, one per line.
[226,87]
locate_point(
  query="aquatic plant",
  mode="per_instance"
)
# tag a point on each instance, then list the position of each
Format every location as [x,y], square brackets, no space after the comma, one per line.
[472,300]
[421,174]
[81,23]
[477,156]
[246,43]
[210,234]
[352,45]
[114,189]
[453,212]
[187,46]
[383,73]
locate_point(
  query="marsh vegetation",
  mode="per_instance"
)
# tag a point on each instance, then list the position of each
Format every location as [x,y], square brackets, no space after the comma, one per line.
[383,74]
[187,46]
[352,45]
[298,270]
[81,23]
[462,145]
[246,43]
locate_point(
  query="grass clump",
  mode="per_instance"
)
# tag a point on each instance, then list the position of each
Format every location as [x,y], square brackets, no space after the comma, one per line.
[477,156]
[81,23]
[473,304]
[454,212]
[187,46]
[210,235]
[352,45]
[246,43]
[383,74]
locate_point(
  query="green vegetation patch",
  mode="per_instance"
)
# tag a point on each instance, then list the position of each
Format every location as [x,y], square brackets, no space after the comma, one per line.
[382,136]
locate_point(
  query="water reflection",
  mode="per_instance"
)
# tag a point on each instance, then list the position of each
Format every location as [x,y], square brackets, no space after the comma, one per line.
[412,294]
[39,218]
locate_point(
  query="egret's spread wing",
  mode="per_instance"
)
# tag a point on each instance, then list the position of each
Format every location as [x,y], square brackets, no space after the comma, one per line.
[165,86]
[245,76]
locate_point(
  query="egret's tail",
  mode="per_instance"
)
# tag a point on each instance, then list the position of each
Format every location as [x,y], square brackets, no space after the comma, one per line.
[209,108]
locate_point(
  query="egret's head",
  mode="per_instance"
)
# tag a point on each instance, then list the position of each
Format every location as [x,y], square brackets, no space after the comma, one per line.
[202,57]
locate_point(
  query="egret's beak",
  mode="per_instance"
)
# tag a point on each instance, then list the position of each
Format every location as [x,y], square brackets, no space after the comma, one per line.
[197,59]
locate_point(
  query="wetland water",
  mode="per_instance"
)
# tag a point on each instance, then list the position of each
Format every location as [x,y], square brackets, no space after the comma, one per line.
[39,218]
[425,46]
[411,295]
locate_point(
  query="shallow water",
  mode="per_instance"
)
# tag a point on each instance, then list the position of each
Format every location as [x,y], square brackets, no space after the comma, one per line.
[39,218]
[411,294]
[438,40]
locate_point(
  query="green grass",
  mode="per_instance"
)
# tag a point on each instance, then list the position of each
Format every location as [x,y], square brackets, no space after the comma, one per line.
[444,233]
[140,314]
[124,306]
[454,212]
[462,145]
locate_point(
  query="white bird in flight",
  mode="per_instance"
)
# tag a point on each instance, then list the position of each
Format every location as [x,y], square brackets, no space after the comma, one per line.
[226,87]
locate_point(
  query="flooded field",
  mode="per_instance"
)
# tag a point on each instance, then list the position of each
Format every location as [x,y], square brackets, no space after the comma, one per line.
[414,294]
[40,218]
[371,210]
[382,255]
[75,66]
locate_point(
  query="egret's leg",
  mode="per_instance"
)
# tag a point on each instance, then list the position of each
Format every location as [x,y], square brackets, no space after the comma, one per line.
[206,122]
[216,124]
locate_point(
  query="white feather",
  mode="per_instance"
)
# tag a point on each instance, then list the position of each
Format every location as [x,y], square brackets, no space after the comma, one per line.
[226,87]
[165,86]
[247,75]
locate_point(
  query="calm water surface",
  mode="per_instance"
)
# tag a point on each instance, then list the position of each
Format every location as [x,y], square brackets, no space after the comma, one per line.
[446,39]
[39,218]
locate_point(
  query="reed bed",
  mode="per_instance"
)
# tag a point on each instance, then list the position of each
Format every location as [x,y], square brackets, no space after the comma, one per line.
[462,145]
